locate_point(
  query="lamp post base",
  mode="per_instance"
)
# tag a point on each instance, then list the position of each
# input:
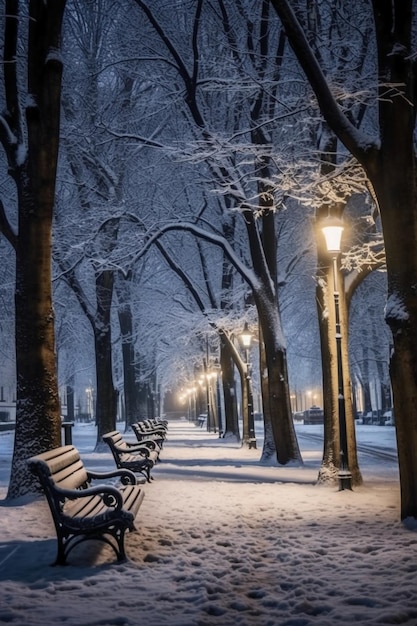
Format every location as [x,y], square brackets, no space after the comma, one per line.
[345,480]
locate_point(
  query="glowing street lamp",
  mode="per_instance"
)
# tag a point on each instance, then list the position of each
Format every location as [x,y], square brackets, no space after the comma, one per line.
[246,337]
[332,229]
[246,341]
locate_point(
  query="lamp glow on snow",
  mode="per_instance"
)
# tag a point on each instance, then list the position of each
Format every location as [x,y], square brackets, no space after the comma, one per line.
[332,228]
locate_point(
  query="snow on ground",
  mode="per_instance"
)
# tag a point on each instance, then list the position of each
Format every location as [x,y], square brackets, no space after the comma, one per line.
[222,541]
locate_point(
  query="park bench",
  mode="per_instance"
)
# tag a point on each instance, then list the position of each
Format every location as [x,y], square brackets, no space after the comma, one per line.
[83,511]
[144,434]
[136,457]
[154,424]
[147,431]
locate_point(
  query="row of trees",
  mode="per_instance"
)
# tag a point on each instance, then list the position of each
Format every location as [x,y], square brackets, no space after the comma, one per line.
[162,107]
[384,147]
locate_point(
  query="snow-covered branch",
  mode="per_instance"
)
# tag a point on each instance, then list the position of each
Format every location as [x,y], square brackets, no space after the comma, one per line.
[368,256]
[216,240]
[357,142]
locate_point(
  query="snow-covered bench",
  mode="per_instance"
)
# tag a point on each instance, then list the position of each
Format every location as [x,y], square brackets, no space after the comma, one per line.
[145,433]
[139,457]
[82,511]
[151,428]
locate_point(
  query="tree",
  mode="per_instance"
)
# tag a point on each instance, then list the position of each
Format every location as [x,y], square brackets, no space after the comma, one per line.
[328,182]
[388,158]
[29,134]
[94,186]
[370,342]
[235,180]
[228,354]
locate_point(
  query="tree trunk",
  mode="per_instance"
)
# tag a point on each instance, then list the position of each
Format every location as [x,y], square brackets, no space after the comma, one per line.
[330,460]
[106,403]
[269,451]
[38,423]
[231,426]
[143,401]
[283,430]
[245,403]
[70,401]
[130,387]
[347,385]
[278,394]
[279,398]
[396,193]
[38,426]
[393,175]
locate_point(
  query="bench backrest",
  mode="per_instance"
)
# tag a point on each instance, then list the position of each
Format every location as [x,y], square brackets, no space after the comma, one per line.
[146,433]
[61,467]
[115,440]
[147,428]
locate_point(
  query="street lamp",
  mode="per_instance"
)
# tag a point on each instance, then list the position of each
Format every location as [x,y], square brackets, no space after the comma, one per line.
[332,229]
[246,340]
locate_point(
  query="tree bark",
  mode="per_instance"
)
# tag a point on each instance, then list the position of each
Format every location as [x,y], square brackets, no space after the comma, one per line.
[269,450]
[106,403]
[396,193]
[32,155]
[129,357]
[330,460]
[283,430]
[130,390]
[231,426]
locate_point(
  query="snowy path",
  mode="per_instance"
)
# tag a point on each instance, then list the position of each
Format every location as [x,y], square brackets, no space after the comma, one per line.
[223,541]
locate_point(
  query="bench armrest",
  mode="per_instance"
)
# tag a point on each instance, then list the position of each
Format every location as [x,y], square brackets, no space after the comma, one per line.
[132,448]
[152,429]
[127,477]
[111,495]
[140,430]
[151,444]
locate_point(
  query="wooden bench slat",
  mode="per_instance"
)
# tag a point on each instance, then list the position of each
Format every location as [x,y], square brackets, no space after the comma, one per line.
[85,507]
[132,498]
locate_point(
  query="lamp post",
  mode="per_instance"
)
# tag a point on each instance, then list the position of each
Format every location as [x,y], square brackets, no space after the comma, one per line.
[218,373]
[89,394]
[332,229]
[246,340]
